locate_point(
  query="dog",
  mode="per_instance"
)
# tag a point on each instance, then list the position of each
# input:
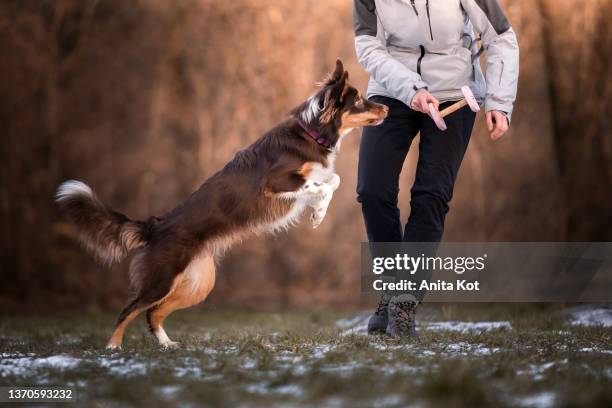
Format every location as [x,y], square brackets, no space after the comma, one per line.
[264,188]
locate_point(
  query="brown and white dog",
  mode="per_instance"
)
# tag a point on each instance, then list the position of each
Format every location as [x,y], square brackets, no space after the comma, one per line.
[265,187]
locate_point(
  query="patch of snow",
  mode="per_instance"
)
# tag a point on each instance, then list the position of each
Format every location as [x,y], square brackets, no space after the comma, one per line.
[230,349]
[191,367]
[390,401]
[67,339]
[361,330]
[590,316]
[260,388]
[465,327]
[299,369]
[541,400]
[169,391]
[264,388]
[594,350]
[485,351]
[188,372]
[390,347]
[248,364]
[212,377]
[321,350]
[18,366]
[467,349]
[210,351]
[536,371]
[358,325]
[402,368]
[293,390]
[122,366]
[62,362]
[287,357]
[351,322]
[21,365]
[343,370]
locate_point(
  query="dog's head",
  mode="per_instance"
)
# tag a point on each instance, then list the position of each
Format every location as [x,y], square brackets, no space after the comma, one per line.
[339,107]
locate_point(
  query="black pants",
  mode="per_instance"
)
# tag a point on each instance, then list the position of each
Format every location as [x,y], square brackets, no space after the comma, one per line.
[381,157]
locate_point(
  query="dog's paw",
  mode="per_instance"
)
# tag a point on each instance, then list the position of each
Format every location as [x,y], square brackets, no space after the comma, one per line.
[334,182]
[112,346]
[318,190]
[316,218]
[170,345]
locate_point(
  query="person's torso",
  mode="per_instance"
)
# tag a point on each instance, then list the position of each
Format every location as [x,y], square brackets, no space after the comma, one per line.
[435,24]
[433,38]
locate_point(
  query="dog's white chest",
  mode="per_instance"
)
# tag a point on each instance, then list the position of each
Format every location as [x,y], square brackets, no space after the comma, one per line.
[320,173]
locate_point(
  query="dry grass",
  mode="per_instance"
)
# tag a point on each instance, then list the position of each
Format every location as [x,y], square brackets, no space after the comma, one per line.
[231,357]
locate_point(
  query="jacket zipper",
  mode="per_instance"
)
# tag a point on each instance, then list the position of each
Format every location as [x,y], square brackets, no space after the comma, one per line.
[428,18]
[420,59]
[414,7]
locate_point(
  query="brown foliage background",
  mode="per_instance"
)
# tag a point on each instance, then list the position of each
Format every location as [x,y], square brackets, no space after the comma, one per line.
[144,99]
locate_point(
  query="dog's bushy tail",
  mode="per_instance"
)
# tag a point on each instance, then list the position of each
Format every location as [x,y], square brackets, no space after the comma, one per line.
[107,234]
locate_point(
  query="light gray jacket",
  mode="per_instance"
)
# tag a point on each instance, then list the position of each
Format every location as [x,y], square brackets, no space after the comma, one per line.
[406,45]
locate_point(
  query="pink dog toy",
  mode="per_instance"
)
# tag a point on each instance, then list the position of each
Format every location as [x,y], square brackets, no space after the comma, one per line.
[468,99]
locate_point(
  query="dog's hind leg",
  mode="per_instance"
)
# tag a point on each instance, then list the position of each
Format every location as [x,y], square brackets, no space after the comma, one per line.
[190,287]
[128,314]
[155,318]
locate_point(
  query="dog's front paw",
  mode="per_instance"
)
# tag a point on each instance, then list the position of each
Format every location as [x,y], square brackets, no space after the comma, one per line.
[316,218]
[334,182]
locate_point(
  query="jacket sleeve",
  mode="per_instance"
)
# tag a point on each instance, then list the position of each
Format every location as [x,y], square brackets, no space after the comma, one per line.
[372,54]
[499,40]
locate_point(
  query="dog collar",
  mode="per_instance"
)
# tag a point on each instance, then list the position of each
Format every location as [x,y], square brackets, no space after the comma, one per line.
[316,136]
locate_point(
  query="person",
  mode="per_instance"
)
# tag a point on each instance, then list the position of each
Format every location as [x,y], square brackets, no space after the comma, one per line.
[419,52]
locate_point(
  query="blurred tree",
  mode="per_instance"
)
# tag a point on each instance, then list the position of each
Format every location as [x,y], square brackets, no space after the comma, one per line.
[145,99]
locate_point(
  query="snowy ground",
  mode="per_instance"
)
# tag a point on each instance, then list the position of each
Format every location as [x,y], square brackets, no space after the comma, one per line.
[518,356]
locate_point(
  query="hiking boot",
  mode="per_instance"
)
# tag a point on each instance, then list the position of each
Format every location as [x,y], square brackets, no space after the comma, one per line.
[402,317]
[378,321]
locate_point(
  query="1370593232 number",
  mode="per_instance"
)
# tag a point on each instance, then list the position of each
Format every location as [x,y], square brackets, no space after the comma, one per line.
[36,394]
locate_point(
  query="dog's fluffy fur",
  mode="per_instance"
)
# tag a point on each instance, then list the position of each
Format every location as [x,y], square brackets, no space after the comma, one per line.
[266,187]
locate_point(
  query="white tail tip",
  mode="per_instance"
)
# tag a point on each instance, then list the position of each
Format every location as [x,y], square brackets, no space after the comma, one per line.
[71,188]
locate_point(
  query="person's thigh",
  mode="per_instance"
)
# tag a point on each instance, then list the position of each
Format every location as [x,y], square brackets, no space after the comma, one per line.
[382,153]
[440,156]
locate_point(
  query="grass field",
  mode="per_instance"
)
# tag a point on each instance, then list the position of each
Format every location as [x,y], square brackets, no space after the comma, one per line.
[493,355]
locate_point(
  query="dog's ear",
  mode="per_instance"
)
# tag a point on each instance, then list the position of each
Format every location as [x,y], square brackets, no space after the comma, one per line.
[339,71]
[334,76]
[340,87]
[334,96]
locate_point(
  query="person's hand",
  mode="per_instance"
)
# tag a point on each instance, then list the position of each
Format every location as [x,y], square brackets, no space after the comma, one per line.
[421,100]
[497,123]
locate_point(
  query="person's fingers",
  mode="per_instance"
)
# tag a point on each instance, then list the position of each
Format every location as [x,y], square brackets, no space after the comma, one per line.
[422,100]
[502,121]
[496,134]
[417,103]
[490,121]
[501,125]
[424,104]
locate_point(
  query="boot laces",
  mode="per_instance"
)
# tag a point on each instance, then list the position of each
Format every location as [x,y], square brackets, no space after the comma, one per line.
[404,315]
[383,306]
